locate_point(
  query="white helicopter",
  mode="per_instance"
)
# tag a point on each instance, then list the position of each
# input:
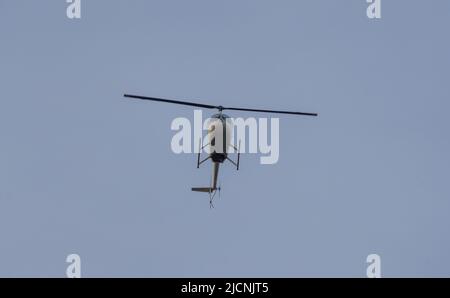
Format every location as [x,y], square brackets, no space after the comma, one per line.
[218,120]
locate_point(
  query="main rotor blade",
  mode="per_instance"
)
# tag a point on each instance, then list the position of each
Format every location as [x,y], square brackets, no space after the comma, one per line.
[271,111]
[220,108]
[186,103]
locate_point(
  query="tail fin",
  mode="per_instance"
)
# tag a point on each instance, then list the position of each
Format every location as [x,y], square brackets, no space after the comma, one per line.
[204,189]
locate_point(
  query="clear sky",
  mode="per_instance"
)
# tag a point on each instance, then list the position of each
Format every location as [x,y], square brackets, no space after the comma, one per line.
[83,170]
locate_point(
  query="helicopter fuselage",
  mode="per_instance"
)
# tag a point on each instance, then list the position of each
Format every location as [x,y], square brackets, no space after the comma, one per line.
[219,137]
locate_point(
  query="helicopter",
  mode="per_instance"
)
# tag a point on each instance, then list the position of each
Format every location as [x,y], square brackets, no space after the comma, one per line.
[218,129]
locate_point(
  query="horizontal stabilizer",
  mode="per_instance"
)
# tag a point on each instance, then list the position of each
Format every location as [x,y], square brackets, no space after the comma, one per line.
[203,189]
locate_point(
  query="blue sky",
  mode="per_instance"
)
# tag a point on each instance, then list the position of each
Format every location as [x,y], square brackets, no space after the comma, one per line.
[82,170]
